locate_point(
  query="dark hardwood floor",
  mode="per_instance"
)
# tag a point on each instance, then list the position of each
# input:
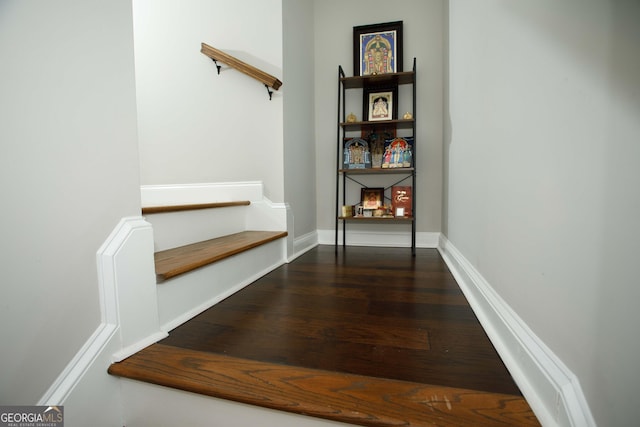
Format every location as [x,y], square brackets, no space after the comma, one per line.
[377,312]
[368,336]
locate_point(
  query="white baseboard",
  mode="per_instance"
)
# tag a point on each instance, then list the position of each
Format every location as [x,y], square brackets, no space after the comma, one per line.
[380,238]
[73,373]
[303,244]
[552,390]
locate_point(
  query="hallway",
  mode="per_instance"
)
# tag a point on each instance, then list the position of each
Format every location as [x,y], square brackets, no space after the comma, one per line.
[374,312]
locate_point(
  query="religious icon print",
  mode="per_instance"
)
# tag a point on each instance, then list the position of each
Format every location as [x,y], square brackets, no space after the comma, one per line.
[378,51]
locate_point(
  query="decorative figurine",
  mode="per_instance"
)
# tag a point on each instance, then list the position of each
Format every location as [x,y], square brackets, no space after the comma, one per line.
[407,116]
[351,118]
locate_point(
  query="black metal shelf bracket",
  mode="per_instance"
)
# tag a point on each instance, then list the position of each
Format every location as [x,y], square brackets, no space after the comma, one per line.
[217,66]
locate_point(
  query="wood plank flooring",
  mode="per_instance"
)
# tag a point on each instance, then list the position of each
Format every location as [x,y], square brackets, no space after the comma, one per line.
[353,399]
[372,312]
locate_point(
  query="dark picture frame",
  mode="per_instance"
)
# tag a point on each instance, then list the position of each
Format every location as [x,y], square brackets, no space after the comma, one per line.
[372,198]
[377,49]
[373,96]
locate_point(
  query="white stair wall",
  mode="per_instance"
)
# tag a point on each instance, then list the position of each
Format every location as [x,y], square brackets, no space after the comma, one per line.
[129,322]
[136,312]
[185,296]
[151,405]
[173,229]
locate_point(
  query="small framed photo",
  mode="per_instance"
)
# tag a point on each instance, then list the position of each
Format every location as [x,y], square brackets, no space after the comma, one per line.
[372,198]
[380,103]
[377,49]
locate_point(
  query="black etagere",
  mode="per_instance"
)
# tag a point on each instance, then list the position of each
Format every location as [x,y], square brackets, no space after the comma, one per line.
[396,176]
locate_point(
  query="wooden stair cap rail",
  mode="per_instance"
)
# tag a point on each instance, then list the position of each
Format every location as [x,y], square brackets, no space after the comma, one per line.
[218,55]
[191,207]
[173,262]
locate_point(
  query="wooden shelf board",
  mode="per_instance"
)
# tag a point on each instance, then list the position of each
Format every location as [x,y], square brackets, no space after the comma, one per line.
[376,218]
[385,123]
[367,171]
[405,77]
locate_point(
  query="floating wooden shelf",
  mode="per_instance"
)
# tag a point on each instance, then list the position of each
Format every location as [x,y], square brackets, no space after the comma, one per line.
[217,55]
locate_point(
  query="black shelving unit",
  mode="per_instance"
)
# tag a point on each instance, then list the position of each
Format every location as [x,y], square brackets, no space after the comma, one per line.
[395,175]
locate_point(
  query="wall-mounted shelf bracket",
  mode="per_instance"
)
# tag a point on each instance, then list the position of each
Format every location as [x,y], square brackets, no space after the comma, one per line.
[218,66]
[217,55]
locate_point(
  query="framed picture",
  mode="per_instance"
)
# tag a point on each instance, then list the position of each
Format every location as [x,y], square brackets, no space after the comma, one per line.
[380,103]
[356,154]
[377,49]
[372,198]
[398,153]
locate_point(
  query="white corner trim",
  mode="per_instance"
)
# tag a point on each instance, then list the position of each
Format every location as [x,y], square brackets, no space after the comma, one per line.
[552,390]
[107,279]
[62,387]
[107,337]
[264,214]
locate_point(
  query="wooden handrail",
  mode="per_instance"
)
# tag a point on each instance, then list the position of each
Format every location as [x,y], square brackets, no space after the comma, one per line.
[218,55]
[191,207]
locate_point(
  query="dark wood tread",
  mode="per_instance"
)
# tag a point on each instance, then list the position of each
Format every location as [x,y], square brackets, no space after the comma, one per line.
[161,209]
[173,262]
[354,399]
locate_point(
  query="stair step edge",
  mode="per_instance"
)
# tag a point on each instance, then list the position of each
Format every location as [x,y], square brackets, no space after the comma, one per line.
[342,397]
[175,261]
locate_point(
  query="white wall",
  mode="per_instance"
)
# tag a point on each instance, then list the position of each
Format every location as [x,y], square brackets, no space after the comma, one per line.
[542,177]
[198,126]
[423,39]
[69,171]
[299,135]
